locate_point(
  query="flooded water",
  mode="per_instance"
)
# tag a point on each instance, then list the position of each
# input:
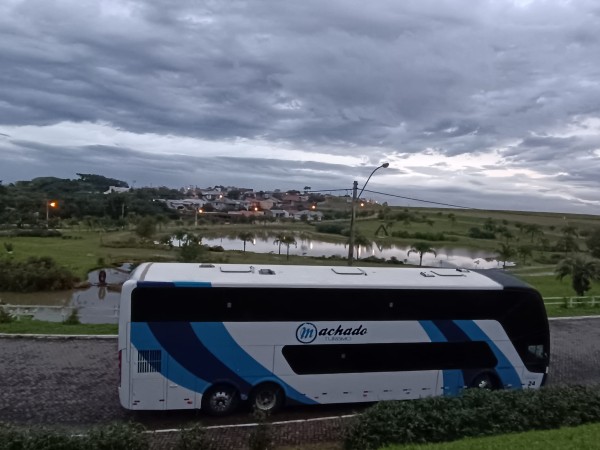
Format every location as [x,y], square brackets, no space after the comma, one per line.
[99,303]
[444,257]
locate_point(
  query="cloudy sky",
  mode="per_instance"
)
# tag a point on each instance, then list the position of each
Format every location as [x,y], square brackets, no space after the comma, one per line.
[485,104]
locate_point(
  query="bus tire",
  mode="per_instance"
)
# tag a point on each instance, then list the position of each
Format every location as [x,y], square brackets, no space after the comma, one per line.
[484,380]
[220,400]
[267,397]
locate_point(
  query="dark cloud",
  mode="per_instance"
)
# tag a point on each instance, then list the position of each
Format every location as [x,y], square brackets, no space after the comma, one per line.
[375,80]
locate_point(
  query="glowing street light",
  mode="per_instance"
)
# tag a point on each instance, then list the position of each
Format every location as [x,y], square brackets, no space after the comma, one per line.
[353,213]
[50,204]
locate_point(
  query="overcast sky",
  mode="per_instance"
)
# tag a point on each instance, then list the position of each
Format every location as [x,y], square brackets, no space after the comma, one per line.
[485,104]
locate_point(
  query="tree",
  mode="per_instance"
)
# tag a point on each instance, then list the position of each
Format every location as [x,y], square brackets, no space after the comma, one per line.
[489,225]
[279,241]
[525,252]
[245,237]
[567,243]
[593,243]
[287,241]
[421,248]
[505,252]
[582,271]
[533,230]
[146,228]
[190,247]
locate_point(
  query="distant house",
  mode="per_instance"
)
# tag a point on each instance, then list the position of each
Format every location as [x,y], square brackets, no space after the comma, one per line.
[308,214]
[188,204]
[118,190]
[278,213]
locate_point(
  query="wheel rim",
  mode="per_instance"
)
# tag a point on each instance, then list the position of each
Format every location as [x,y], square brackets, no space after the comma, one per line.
[266,400]
[484,382]
[221,400]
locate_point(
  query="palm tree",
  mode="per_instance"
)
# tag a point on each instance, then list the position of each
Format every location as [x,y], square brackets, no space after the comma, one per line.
[287,241]
[421,248]
[245,237]
[582,271]
[279,241]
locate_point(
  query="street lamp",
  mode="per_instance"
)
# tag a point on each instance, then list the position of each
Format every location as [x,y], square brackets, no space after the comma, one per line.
[49,204]
[353,211]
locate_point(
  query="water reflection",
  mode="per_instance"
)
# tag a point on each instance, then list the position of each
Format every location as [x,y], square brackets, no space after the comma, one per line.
[98,303]
[445,256]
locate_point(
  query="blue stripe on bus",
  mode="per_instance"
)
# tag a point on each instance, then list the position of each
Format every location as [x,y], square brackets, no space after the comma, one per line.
[202,284]
[181,344]
[155,284]
[142,338]
[505,370]
[220,342]
[452,379]
[433,331]
[452,331]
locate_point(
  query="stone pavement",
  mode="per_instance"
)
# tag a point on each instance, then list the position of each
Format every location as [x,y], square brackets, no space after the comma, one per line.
[72,383]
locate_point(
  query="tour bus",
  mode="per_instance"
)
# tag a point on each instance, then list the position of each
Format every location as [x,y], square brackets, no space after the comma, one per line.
[210,336]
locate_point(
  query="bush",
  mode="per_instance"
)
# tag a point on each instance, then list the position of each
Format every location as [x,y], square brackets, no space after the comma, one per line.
[193,438]
[261,437]
[5,317]
[113,437]
[475,413]
[477,233]
[72,318]
[331,228]
[35,274]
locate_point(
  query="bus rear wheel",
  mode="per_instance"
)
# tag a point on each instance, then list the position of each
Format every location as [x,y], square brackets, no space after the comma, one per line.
[267,398]
[220,400]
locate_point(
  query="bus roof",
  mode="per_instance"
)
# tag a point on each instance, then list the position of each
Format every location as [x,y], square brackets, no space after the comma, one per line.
[238,275]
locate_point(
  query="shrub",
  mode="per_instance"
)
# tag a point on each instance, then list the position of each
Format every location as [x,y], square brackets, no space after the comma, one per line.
[111,437]
[72,318]
[5,317]
[261,437]
[193,438]
[331,228]
[475,413]
[35,274]
[477,233]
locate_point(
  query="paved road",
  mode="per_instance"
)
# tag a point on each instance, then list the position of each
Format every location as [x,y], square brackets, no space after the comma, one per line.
[72,382]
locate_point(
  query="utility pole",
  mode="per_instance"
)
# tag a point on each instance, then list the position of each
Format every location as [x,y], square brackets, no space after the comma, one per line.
[355,196]
[352,218]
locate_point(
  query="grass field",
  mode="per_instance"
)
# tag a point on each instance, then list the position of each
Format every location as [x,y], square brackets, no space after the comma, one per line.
[81,251]
[585,437]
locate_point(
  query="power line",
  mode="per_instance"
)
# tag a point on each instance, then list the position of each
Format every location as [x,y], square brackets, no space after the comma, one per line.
[420,200]
[396,196]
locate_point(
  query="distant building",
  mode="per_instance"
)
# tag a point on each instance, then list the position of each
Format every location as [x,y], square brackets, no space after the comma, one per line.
[118,190]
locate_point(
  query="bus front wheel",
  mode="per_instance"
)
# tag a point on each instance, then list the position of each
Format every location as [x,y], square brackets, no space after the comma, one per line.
[220,400]
[267,397]
[484,381]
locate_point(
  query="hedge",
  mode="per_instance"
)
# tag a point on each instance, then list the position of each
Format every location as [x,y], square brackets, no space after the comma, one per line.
[477,412]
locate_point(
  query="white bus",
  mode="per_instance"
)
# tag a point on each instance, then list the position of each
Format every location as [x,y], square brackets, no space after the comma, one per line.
[211,335]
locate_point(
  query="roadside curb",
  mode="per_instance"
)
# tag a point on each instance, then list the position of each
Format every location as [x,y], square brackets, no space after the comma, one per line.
[57,336]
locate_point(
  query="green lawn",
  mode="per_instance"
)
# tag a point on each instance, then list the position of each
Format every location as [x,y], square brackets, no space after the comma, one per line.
[585,437]
[29,326]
